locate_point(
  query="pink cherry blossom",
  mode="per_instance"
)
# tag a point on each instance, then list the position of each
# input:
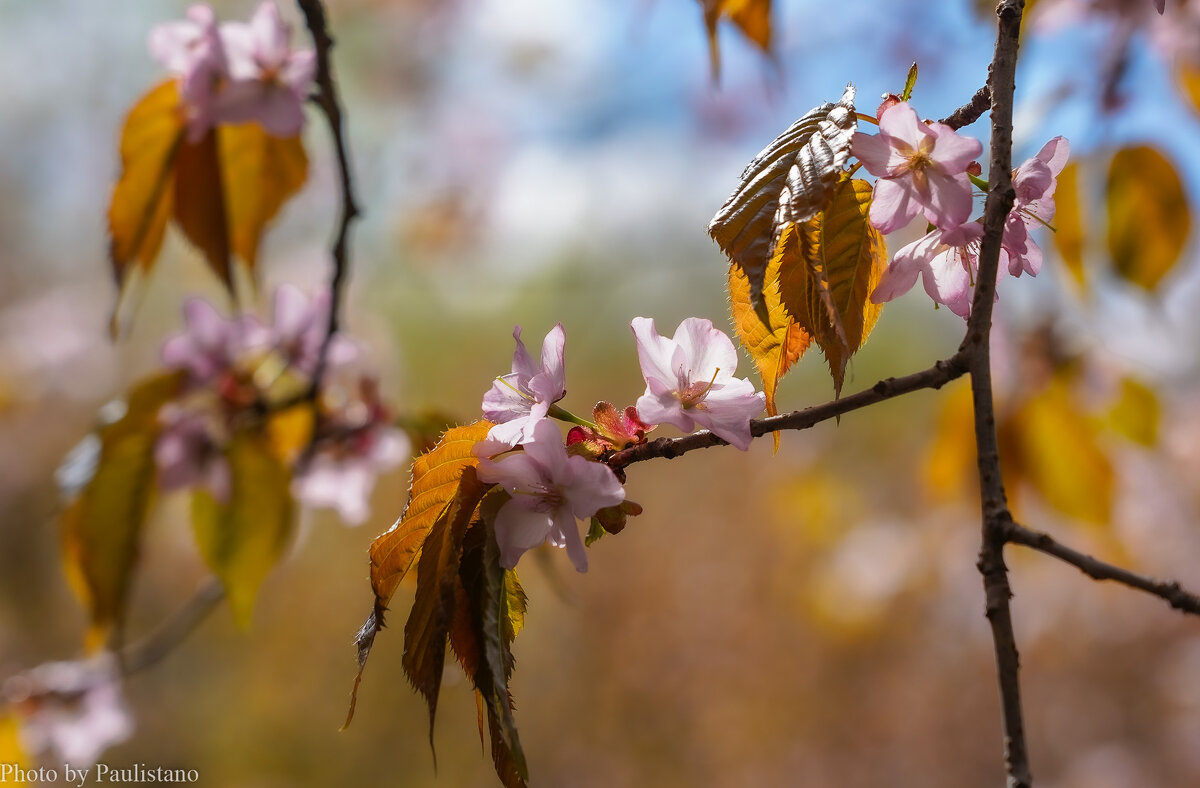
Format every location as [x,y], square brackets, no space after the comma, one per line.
[921,167]
[297,331]
[192,50]
[689,381]
[269,81]
[1034,183]
[947,262]
[70,712]
[550,490]
[519,400]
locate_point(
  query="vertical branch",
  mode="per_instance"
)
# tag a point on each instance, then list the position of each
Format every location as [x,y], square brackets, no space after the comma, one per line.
[996,517]
[327,99]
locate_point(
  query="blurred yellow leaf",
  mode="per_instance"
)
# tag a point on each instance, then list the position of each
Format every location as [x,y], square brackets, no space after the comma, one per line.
[949,467]
[200,203]
[1189,83]
[111,483]
[243,538]
[828,268]
[752,17]
[1068,222]
[260,173]
[290,431]
[1148,215]
[1056,449]
[11,751]
[1136,412]
[141,200]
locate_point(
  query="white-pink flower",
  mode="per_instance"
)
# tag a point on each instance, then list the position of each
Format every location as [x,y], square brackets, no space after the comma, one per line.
[298,326]
[269,81]
[519,400]
[549,490]
[71,712]
[343,478]
[1034,183]
[209,343]
[921,167]
[192,50]
[689,381]
[946,261]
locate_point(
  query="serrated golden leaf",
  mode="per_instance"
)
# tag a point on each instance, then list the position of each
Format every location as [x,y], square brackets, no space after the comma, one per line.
[112,485]
[435,478]
[829,266]
[774,344]
[142,198]
[1068,222]
[199,202]
[260,173]
[243,538]
[1148,215]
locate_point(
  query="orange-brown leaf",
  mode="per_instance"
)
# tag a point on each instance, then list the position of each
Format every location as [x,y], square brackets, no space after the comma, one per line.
[1148,216]
[200,203]
[828,267]
[434,604]
[1189,84]
[752,17]
[435,478]
[141,200]
[260,173]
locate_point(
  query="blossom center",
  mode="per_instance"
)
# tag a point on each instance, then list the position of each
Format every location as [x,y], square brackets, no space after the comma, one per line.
[693,395]
[549,497]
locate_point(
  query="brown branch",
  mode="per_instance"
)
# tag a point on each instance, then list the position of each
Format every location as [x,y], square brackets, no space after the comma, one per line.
[972,111]
[995,515]
[1096,569]
[935,377]
[158,644]
[327,99]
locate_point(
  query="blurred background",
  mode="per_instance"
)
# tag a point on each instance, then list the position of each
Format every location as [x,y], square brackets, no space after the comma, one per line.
[809,617]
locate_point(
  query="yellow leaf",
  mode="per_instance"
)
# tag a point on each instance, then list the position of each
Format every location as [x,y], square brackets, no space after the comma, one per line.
[141,200]
[112,485]
[11,752]
[949,467]
[290,431]
[1058,452]
[1068,221]
[243,538]
[260,173]
[1136,412]
[1189,83]
[435,481]
[752,17]
[1148,216]
[775,344]
[200,203]
[828,268]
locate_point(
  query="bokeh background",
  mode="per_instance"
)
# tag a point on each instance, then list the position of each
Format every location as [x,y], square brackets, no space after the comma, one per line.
[808,617]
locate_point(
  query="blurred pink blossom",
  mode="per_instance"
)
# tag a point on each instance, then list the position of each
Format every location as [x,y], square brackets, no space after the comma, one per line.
[519,400]
[947,262]
[188,452]
[689,381]
[356,444]
[268,80]
[209,344]
[549,490]
[921,167]
[70,711]
[1034,183]
[192,50]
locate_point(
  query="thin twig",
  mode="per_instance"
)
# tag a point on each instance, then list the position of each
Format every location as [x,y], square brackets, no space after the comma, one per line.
[935,377]
[327,99]
[972,111]
[1169,590]
[158,644]
[996,518]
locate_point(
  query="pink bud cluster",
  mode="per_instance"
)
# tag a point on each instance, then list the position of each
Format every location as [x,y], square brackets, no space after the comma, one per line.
[236,72]
[922,170]
[689,383]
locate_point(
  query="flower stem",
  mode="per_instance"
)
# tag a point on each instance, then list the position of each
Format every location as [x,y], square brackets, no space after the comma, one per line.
[565,415]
